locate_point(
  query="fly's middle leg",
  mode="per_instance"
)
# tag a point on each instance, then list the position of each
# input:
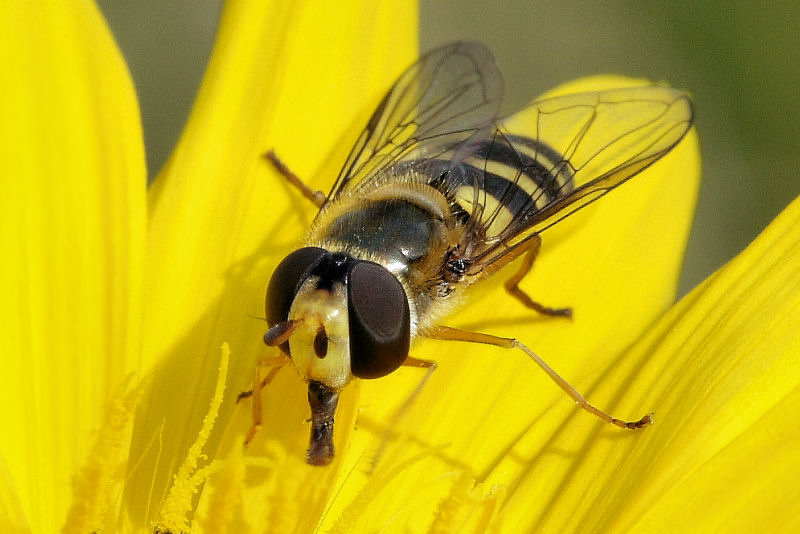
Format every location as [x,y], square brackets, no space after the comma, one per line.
[512,284]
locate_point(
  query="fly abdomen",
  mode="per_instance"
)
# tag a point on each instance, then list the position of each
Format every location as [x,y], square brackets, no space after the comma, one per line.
[505,181]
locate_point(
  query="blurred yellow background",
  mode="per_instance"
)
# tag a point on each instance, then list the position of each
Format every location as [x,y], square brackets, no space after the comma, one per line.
[738,59]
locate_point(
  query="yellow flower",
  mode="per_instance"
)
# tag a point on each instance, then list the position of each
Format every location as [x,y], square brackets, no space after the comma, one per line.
[118,408]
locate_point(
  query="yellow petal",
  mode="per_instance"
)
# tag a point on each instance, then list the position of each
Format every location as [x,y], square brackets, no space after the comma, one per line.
[72,231]
[722,368]
[291,77]
[12,516]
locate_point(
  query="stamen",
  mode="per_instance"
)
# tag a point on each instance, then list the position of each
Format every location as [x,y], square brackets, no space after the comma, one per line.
[466,507]
[178,504]
[98,485]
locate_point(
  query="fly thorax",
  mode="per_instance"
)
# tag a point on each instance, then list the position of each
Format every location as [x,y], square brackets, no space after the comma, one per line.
[320,345]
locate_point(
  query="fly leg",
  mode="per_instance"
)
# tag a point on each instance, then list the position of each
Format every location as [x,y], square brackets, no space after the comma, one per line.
[274,337]
[454,334]
[275,364]
[430,367]
[394,419]
[317,197]
[512,284]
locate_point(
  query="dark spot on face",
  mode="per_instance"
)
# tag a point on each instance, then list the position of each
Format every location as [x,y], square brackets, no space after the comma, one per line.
[321,343]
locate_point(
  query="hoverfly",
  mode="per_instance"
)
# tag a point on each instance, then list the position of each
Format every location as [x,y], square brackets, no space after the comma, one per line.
[435,196]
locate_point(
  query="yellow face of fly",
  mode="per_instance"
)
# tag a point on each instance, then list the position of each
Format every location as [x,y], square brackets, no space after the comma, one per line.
[320,345]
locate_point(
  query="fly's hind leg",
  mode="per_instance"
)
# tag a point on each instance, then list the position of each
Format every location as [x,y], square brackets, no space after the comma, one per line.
[454,334]
[317,197]
[531,250]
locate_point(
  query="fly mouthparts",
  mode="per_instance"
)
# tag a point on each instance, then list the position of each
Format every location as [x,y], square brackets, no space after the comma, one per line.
[323,401]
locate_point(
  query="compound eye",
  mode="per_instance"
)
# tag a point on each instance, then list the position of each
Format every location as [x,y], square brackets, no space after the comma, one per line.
[380,324]
[286,280]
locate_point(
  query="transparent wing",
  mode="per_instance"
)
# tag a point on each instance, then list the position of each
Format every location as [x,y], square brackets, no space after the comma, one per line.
[445,98]
[573,150]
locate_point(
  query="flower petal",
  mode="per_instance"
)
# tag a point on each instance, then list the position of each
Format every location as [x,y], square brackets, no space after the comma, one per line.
[722,368]
[282,76]
[72,230]
[12,516]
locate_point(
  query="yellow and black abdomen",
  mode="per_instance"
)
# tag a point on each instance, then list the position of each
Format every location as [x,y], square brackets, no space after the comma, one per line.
[503,184]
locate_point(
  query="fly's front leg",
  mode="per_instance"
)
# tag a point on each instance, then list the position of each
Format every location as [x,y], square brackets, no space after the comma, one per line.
[317,197]
[512,284]
[397,415]
[430,367]
[275,336]
[454,334]
[274,364]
